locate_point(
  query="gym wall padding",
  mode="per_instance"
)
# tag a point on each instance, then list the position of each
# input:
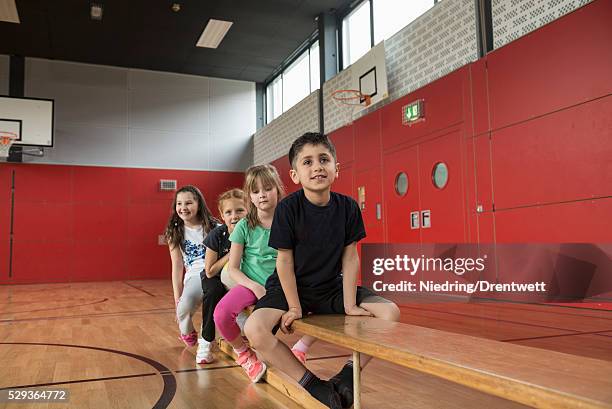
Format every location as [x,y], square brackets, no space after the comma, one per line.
[526,133]
[84,223]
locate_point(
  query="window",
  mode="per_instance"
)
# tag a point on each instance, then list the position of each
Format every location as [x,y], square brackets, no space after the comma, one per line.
[274,99]
[315,73]
[356,37]
[401,184]
[439,175]
[390,16]
[296,84]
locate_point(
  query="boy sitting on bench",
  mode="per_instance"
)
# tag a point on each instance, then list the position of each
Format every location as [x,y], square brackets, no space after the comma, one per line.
[316,233]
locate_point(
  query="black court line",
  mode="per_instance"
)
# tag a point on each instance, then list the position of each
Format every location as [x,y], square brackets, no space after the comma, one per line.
[36,290]
[168,378]
[515,304]
[59,308]
[565,314]
[138,288]
[449,319]
[206,369]
[329,357]
[103,314]
[555,336]
[491,319]
[109,378]
[44,302]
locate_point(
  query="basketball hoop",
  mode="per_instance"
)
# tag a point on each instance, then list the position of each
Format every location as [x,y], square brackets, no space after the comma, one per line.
[6,140]
[348,100]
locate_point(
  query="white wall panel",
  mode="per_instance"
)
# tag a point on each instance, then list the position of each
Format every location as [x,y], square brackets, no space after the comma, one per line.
[171,111]
[80,104]
[63,72]
[78,144]
[111,116]
[229,151]
[232,107]
[164,149]
[142,80]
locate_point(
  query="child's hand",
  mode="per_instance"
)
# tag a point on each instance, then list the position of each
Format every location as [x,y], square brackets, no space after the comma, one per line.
[287,319]
[356,310]
[176,303]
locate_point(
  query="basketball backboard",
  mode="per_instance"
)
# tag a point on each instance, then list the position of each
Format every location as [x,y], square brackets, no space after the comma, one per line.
[30,118]
[369,74]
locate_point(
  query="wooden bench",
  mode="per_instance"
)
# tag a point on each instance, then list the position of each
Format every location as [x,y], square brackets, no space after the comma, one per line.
[531,376]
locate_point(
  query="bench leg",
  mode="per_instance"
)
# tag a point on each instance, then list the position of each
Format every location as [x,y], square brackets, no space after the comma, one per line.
[356,381]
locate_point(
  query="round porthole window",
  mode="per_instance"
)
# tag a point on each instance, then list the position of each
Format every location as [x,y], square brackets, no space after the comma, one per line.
[401,183]
[440,175]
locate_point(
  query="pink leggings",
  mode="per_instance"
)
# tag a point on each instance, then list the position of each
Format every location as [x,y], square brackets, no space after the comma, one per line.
[236,300]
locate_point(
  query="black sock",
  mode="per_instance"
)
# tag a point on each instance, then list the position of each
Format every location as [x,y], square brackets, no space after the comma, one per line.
[323,391]
[343,381]
[346,374]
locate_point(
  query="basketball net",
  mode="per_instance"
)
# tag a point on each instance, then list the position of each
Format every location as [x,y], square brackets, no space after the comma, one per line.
[348,101]
[6,140]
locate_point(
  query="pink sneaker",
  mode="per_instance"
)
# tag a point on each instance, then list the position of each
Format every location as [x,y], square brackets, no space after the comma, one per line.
[190,339]
[301,356]
[252,365]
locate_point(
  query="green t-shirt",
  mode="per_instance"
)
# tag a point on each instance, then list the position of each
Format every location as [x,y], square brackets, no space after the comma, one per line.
[258,259]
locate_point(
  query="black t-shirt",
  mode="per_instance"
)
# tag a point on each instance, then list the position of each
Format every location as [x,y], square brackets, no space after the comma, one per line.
[317,235]
[218,240]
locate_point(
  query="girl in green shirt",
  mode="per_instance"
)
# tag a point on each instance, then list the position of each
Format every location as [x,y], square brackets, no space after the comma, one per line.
[251,261]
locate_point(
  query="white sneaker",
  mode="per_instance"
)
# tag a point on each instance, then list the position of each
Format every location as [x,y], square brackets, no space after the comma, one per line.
[240,320]
[204,353]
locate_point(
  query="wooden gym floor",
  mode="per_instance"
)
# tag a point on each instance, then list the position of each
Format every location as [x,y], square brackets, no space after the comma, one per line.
[114,345]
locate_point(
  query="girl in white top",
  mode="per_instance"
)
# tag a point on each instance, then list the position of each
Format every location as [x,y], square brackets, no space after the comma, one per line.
[190,222]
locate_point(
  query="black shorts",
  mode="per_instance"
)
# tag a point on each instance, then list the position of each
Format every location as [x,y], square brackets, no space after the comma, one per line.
[317,301]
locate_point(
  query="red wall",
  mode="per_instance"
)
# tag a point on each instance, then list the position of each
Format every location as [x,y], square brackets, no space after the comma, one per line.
[83,223]
[526,133]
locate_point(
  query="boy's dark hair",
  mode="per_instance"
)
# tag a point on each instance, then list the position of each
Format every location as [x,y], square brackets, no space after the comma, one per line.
[312,138]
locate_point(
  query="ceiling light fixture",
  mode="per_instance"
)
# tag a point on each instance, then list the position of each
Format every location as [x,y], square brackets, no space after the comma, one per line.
[8,11]
[213,33]
[96,11]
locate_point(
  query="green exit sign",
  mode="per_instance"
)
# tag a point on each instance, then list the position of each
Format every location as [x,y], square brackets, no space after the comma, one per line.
[413,112]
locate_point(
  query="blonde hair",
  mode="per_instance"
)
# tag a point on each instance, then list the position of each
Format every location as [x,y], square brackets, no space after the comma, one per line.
[227,195]
[268,175]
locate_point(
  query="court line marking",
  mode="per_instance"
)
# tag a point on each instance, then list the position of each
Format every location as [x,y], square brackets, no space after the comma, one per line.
[491,319]
[138,288]
[103,314]
[58,308]
[555,336]
[168,378]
